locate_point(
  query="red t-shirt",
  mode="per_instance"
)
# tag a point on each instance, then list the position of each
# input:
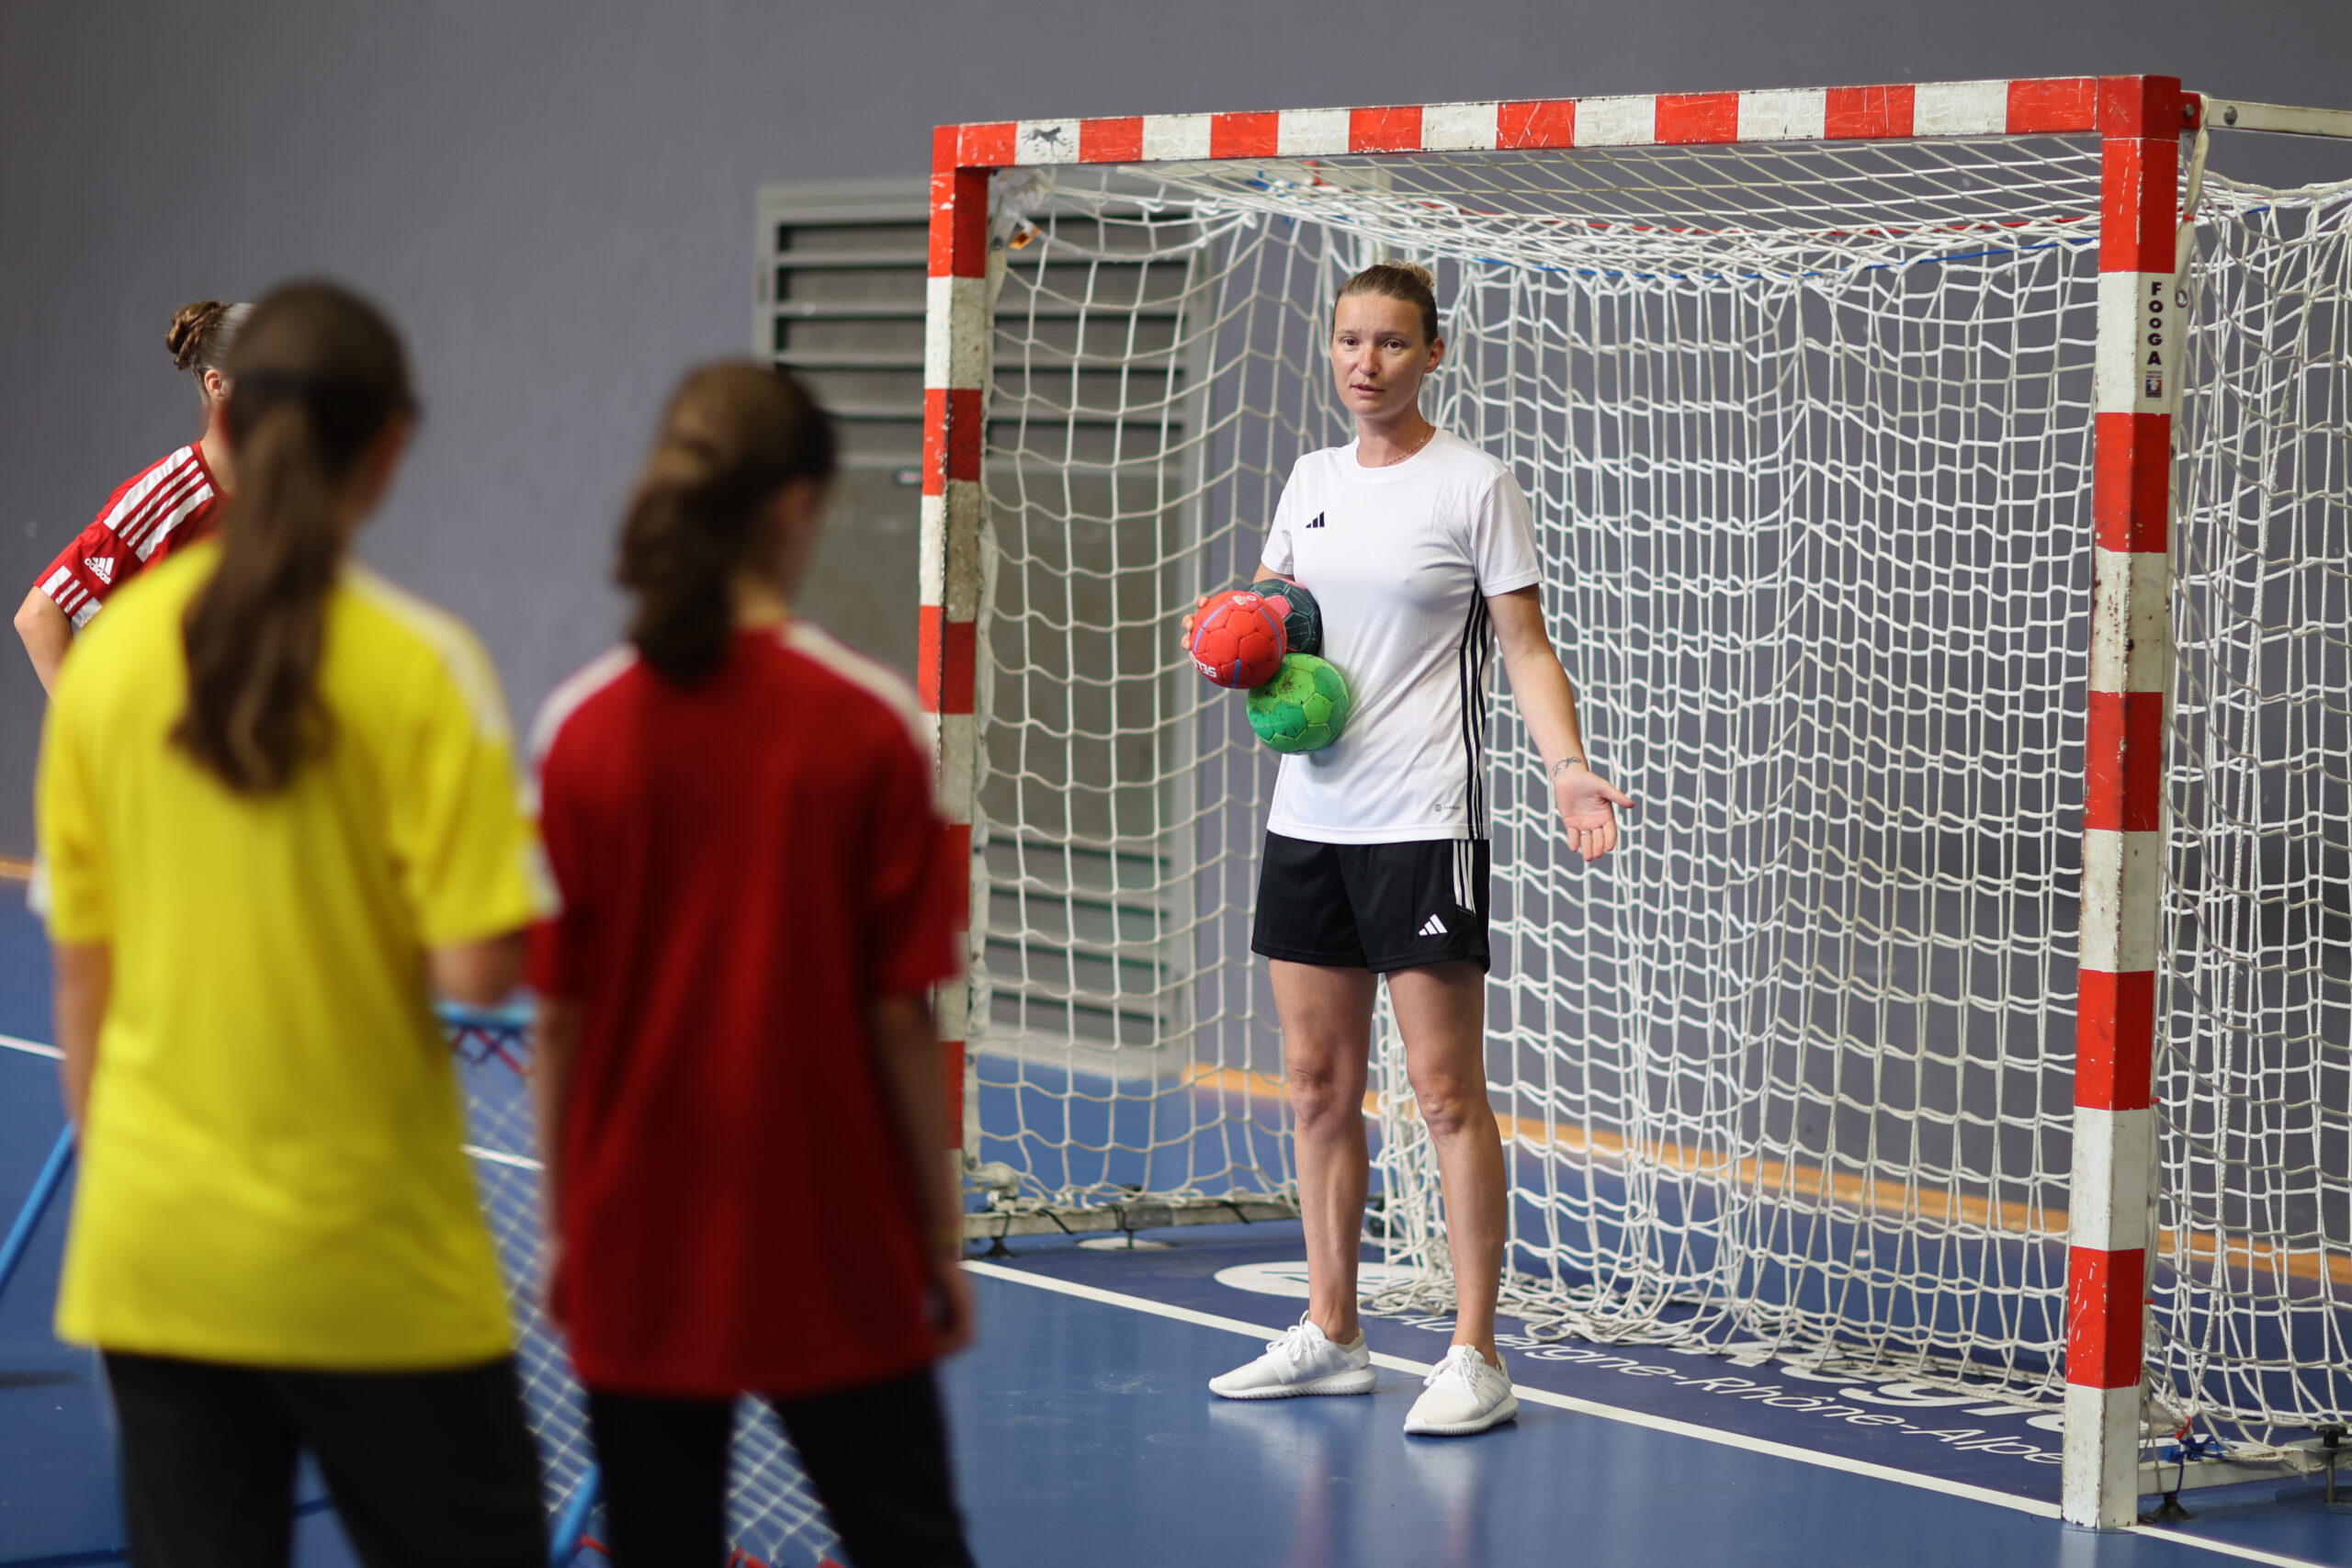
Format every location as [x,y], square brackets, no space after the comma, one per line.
[745,863]
[167,505]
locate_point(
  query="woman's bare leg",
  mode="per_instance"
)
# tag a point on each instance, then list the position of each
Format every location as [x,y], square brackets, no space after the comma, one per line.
[1441,1011]
[1327,1050]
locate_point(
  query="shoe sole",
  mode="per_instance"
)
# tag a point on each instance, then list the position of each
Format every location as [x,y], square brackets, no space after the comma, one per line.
[1494,1418]
[1359,1382]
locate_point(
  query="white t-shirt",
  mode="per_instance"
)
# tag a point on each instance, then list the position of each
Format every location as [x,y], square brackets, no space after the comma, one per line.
[1402,560]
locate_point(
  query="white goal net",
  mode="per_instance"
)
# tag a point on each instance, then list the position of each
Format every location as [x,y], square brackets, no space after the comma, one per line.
[2252,1276]
[1807,430]
[772,1516]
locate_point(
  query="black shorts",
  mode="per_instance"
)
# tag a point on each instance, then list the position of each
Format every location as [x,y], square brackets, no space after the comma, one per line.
[1376,907]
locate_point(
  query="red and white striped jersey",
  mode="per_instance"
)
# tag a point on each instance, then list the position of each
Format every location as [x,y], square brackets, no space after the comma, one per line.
[166,505]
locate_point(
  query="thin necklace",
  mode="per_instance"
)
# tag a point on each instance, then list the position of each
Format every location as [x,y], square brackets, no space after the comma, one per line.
[1413,454]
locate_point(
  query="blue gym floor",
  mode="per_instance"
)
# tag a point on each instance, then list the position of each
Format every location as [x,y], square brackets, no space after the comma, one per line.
[1083,1433]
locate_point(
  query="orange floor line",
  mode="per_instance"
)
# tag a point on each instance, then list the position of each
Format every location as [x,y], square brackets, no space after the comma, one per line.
[1874,1196]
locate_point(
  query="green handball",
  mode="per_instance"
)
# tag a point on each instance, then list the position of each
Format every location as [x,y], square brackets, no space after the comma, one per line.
[1303,708]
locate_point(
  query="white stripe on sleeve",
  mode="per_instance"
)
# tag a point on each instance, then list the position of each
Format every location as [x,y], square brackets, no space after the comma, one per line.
[125,513]
[173,519]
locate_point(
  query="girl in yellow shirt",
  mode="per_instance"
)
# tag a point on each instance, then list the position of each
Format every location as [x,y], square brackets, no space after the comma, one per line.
[276,796]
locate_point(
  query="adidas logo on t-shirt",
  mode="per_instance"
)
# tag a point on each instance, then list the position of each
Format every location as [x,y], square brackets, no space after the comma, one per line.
[1432,926]
[101,567]
[1318,521]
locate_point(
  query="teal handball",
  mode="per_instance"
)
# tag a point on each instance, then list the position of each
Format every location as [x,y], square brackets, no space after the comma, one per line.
[1303,708]
[1302,617]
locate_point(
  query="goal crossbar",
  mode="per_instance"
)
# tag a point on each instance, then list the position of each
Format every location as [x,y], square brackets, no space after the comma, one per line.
[2137,123]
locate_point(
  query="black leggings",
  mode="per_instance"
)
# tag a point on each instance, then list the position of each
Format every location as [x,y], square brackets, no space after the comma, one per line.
[427,1469]
[876,1456]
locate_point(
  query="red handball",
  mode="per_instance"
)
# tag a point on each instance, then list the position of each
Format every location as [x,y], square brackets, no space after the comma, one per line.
[1238,639]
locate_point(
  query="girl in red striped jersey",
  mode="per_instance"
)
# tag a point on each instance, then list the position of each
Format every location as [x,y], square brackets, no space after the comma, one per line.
[743,1100]
[172,502]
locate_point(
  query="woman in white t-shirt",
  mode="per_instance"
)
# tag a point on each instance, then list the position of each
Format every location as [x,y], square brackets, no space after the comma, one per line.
[1420,550]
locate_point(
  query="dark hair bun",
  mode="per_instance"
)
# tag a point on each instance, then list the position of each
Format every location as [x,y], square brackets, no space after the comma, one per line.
[192,327]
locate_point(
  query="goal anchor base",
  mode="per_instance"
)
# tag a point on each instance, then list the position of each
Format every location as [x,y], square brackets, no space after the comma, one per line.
[993,1226]
[2170,1478]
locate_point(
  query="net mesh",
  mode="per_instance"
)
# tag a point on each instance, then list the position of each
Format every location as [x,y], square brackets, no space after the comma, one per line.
[2254,1284]
[1807,434]
[773,1518]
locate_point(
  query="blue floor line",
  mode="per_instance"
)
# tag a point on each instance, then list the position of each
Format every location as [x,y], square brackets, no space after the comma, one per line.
[36,1205]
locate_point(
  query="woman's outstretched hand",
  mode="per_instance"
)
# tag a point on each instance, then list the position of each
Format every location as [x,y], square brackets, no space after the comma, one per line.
[1589,805]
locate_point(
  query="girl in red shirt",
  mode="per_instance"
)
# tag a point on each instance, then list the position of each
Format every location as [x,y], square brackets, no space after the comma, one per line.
[743,1100]
[172,502]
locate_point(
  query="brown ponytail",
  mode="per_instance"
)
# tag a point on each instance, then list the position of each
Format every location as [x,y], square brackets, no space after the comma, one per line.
[733,435]
[315,375]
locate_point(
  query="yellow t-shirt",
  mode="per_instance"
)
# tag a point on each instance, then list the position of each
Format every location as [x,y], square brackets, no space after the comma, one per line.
[271,1165]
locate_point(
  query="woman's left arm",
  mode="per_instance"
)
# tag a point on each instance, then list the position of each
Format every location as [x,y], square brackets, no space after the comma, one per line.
[85,981]
[1587,803]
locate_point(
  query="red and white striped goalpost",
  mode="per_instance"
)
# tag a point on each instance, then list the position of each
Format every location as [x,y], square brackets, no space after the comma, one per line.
[2139,120]
[955,380]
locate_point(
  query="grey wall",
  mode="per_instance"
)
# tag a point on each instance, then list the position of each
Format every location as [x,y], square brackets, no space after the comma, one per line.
[555,199]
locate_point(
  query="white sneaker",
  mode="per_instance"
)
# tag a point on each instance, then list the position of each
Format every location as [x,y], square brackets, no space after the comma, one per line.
[1462,1395]
[1302,1361]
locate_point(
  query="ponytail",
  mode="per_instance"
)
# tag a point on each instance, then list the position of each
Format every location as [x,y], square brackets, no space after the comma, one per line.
[734,434]
[315,376]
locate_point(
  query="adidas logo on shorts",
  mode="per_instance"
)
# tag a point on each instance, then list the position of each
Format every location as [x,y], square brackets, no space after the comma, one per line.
[1432,926]
[101,567]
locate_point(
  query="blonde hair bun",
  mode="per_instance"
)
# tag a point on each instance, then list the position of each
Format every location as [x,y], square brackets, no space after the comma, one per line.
[1427,280]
